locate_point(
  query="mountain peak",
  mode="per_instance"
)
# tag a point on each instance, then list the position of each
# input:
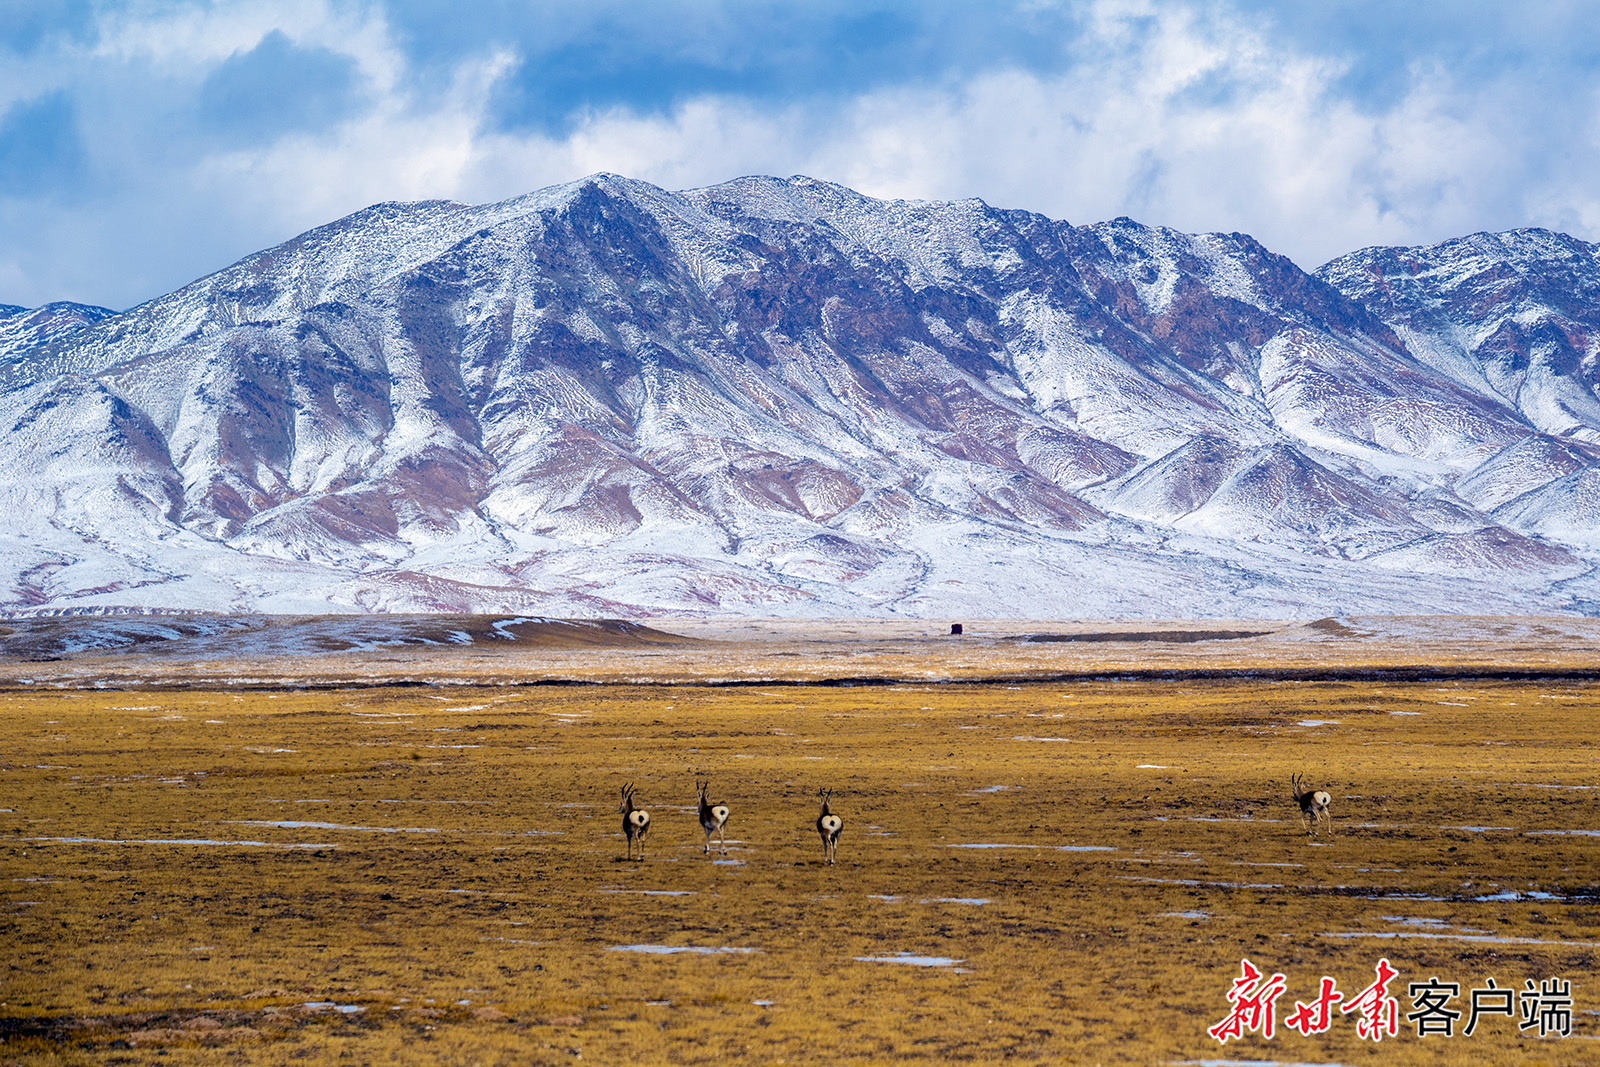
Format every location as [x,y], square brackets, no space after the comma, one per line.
[23,328]
[782,396]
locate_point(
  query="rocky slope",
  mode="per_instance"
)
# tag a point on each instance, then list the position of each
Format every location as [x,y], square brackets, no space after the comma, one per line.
[780,397]
[23,328]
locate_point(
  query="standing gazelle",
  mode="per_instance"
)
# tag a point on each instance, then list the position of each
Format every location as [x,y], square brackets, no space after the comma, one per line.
[829,826]
[635,821]
[1313,805]
[713,817]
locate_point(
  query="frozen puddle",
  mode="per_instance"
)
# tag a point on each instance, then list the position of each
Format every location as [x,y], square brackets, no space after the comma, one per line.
[1248,1063]
[1184,915]
[991,789]
[1318,722]
[1477,829]
[1565,833]
[1525,894]
[652,892]
[169,841]
[1483,939]
[328,1005]
[294,824]
[1051,848]
[491,802]
[1433,925]
[671,950]
[977,901]
[1197,882]
[911,960]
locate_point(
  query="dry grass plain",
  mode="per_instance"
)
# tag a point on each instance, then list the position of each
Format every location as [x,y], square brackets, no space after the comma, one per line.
[199,872]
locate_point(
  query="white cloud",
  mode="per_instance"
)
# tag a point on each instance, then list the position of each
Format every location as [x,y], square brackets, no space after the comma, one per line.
[400,149]
[1202,125]
[1184,115]
[199,34]
[1195,122]
[704,141]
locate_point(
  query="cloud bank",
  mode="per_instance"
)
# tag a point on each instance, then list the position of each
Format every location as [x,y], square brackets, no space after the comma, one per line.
[143,144]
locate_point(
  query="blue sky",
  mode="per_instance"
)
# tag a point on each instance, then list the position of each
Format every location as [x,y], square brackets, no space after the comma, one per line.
[146,143]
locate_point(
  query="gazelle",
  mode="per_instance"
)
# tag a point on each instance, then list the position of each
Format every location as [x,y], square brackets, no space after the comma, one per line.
[1313,805]
[713,817]
[829,826]
[635,821]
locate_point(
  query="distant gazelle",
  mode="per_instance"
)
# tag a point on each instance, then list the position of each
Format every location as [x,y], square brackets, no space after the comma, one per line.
[1313,805]
[829,826]
[713,817]
[635,821]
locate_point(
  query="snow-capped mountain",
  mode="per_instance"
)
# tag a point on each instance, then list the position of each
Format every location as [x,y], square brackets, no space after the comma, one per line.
[24,328]
[780,397]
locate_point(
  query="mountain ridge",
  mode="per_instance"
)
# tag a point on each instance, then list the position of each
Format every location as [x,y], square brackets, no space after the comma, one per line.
[778,396]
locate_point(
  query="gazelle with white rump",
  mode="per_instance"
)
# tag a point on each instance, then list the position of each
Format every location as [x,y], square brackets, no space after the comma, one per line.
[1313,805]
[635,821]
[713,817]
[829,827]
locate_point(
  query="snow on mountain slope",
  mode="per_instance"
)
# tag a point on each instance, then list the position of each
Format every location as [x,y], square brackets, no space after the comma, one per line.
[1511,316]
[1273,494]
[774,397]
[23,328]
[1566,510]
[1531,462]
[1491,554]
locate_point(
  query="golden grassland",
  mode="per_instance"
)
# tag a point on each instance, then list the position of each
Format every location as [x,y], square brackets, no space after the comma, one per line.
[449,862]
